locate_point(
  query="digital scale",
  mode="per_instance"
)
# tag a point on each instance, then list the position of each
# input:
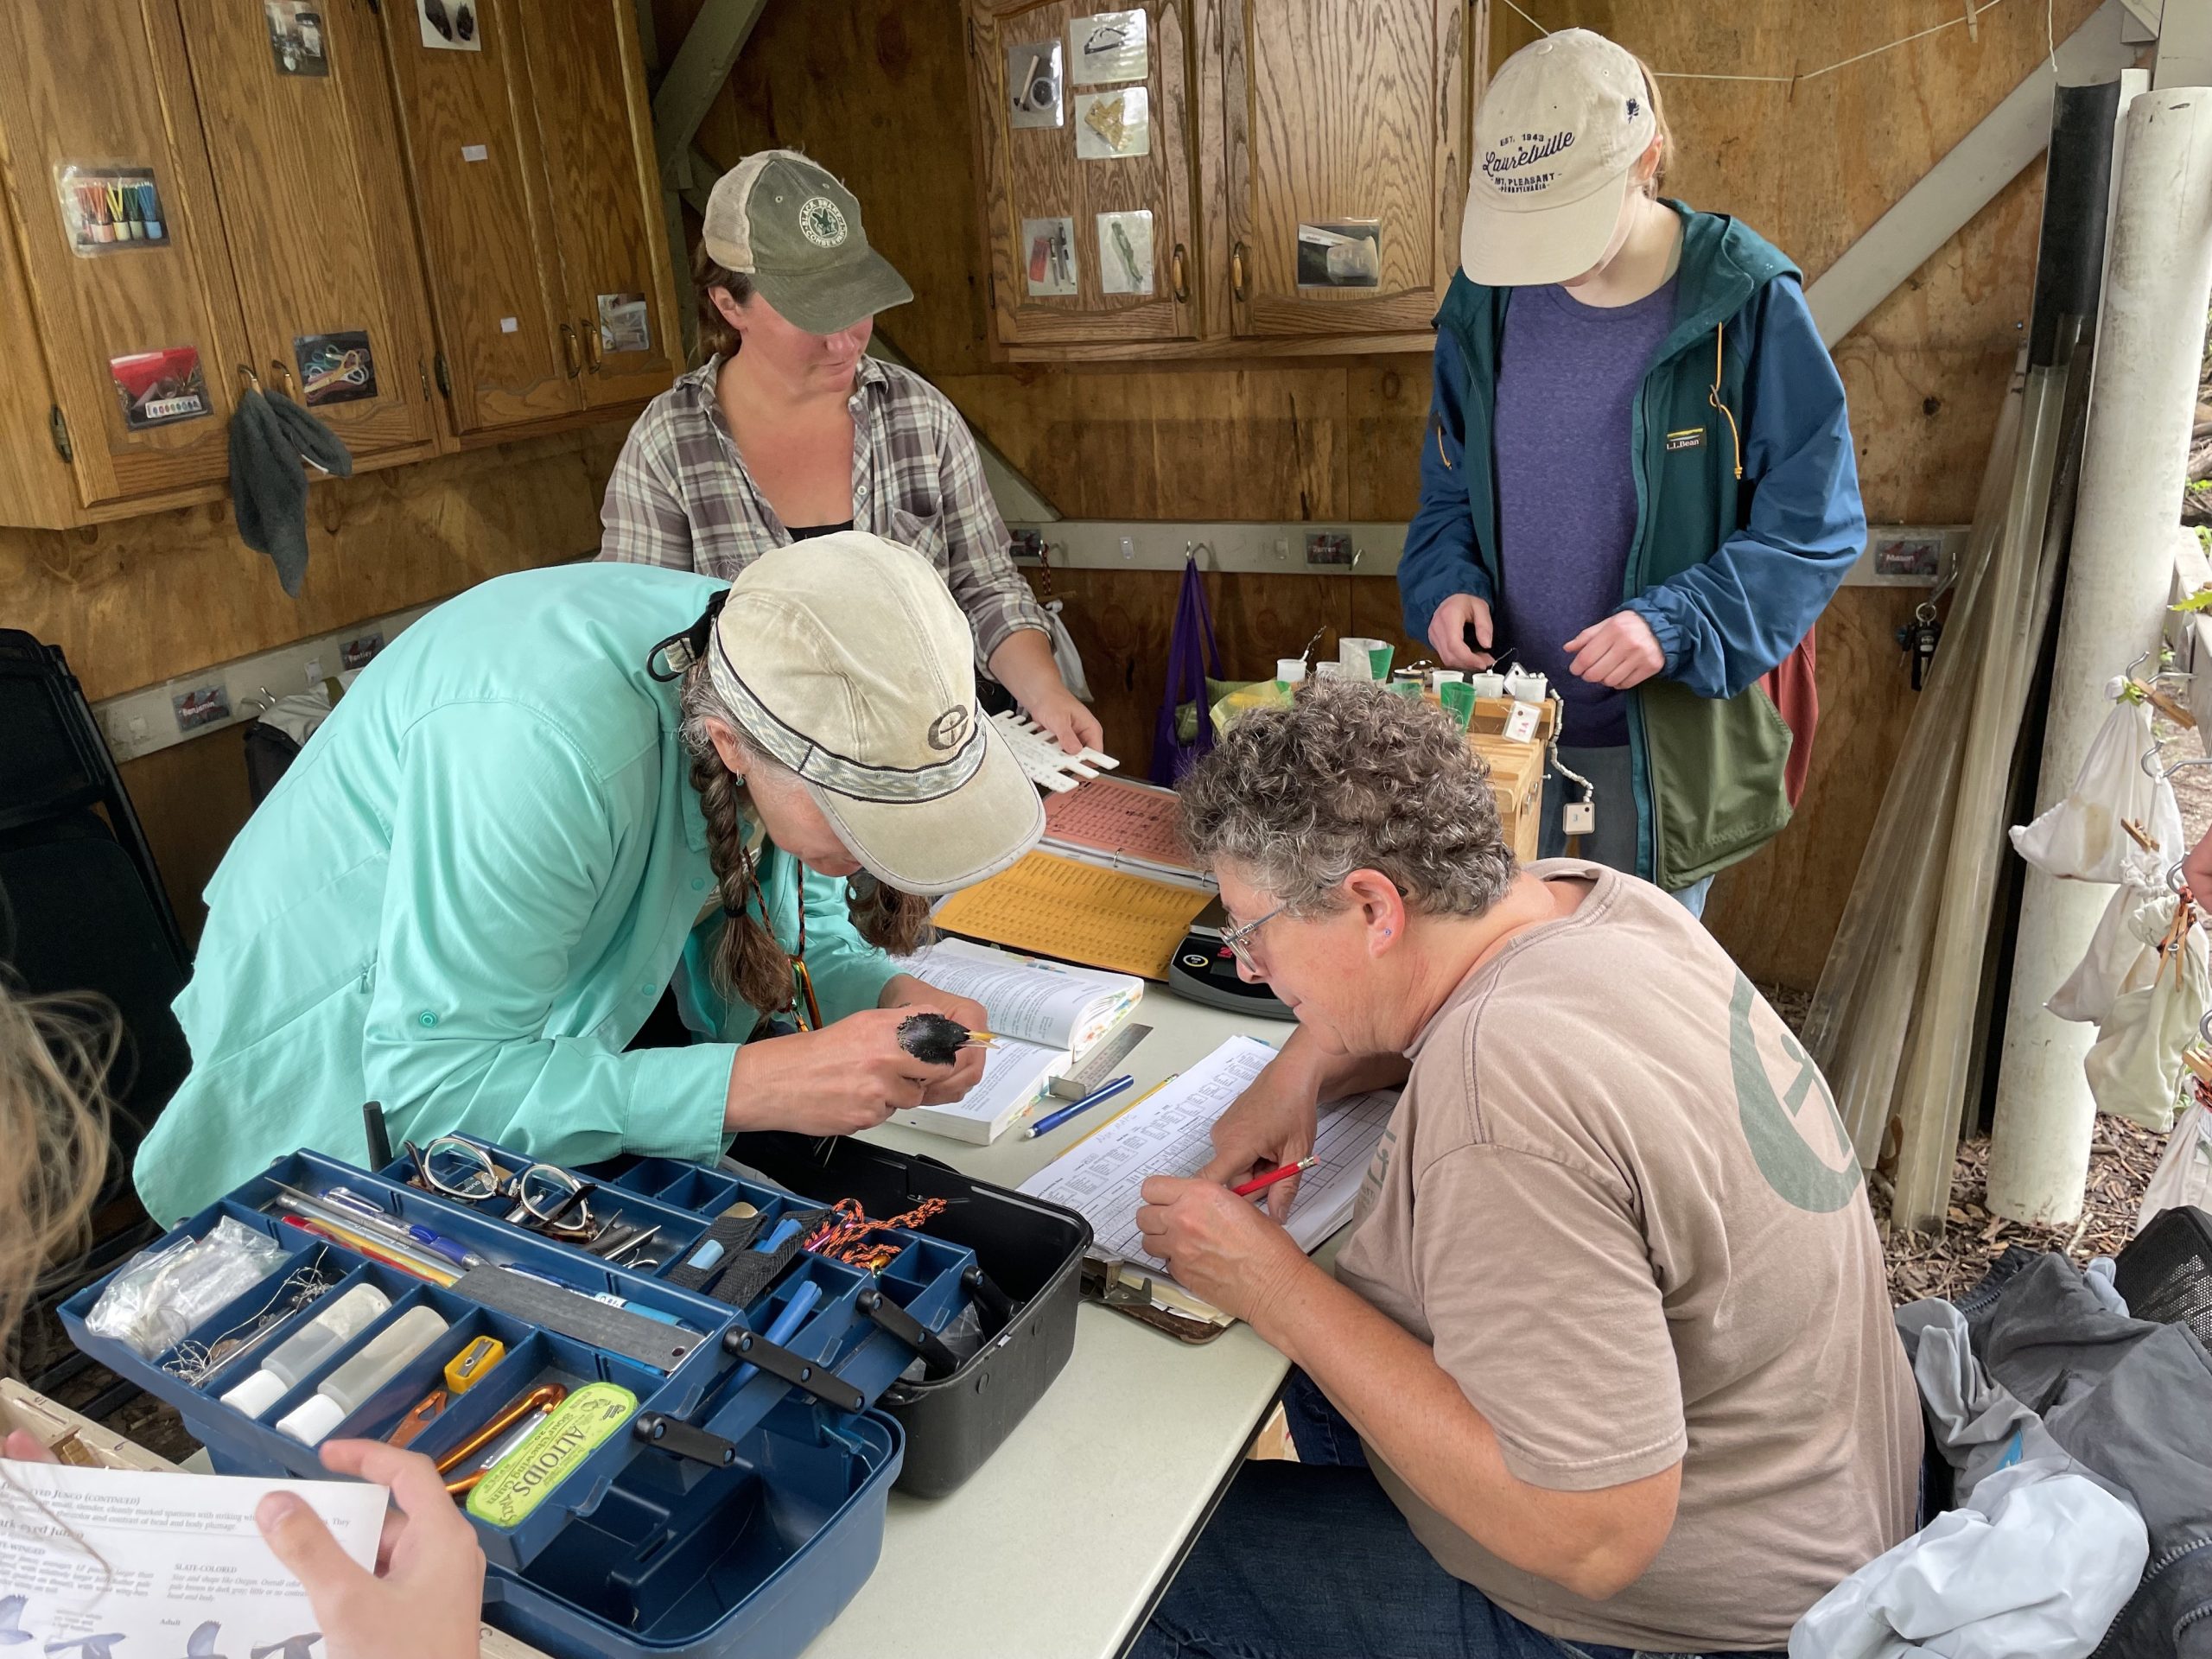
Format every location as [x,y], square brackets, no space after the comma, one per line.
[1204,970]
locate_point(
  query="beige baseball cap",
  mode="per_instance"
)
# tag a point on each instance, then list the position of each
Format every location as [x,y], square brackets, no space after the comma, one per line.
[845,658]
[780,220]
[1556,137]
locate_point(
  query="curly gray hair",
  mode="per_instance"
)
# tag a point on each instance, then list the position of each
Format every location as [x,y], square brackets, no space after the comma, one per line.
[1351,776]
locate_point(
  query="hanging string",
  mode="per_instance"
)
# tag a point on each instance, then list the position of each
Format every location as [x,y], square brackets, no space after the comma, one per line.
[1982,8]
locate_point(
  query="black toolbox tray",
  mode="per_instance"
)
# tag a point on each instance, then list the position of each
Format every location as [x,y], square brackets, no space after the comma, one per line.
[1032,1250]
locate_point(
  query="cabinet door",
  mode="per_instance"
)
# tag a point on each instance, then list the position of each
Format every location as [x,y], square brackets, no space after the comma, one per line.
[480,202]
[308,170]
[596,130]
[1345,133]
[1037,181]
[145,323]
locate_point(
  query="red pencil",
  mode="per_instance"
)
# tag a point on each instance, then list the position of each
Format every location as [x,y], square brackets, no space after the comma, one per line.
[1259,1183]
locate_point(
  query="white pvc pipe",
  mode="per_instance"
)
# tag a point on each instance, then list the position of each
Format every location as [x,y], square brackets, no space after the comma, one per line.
[2143,400]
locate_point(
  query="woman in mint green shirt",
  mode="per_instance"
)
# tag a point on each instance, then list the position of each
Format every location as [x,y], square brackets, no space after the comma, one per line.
[561,793]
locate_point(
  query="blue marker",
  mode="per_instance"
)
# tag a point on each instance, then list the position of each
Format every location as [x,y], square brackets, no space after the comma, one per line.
[784,1325]
[1054,1119]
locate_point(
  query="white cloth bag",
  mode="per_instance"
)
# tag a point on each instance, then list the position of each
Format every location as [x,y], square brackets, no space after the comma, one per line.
[2184,1173]
[2135,1066]
[1065,657]
[2080,839]
[2118,960]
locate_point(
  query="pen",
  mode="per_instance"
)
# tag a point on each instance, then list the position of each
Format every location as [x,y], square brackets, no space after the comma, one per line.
[1054,1119]
[376,1250]
[1259,1183]
[350,1209]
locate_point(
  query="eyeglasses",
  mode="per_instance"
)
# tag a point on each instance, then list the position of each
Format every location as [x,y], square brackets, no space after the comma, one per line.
[545,1196]
[1239,939]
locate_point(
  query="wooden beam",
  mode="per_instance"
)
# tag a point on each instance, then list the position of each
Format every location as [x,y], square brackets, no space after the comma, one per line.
[1966,179]
[696,75]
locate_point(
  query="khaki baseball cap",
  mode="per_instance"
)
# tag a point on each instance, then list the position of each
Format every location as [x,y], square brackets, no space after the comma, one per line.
[846,658]
[1556,137]
[796,232]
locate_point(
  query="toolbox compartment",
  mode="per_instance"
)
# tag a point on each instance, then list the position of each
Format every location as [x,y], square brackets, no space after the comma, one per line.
[743,1505]
[1032,1251]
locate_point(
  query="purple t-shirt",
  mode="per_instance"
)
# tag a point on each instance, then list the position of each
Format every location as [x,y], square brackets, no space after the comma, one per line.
[1567,378]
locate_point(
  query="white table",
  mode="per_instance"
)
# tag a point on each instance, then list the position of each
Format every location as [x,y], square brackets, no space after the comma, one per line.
[1056,1548]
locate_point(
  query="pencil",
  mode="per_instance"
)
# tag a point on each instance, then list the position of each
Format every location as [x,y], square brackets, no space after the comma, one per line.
[1260,1183]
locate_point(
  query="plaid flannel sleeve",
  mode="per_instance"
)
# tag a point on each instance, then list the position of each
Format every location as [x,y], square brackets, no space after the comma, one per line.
[980,571]
[642,519]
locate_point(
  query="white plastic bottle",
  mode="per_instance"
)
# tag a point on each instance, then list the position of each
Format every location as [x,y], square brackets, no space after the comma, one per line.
[306,1348]
[345,1389]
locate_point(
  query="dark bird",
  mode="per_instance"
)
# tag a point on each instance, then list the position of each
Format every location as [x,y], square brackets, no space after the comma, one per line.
[292,1647]
[11,1620]
[88,1647]
[201,1644]
[464,20]
[434,13]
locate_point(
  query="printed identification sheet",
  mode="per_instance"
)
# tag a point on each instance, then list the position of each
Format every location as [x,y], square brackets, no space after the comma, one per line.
[1168,1134]
[121,1563]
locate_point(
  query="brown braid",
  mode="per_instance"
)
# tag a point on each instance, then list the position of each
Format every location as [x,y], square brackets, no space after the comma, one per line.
[749,965]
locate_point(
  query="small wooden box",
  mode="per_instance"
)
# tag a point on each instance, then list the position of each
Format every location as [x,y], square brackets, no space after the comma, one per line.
[1516,779]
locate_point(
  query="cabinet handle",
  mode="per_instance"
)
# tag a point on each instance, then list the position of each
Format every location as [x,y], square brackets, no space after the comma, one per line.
[1237,270]
[1179,277]
[591,345]
[569,350]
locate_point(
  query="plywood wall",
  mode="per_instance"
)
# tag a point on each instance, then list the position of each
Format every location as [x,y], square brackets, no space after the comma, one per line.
[145,600]
[876,90]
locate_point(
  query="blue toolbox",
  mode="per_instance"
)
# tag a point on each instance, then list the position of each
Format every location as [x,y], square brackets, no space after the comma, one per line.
[683,1394]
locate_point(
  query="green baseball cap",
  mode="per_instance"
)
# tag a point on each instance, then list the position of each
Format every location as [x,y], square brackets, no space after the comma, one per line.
[796,232]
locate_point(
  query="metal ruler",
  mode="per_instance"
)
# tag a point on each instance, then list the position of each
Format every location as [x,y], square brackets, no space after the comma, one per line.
[1097,1066]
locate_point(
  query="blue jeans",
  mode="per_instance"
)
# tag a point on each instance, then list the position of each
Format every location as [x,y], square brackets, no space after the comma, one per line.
[1613,842]
[1306,1561]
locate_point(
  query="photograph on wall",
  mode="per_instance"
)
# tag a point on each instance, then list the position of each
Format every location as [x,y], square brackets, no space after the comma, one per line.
[160,388]
[1112,126]
[1125,253]
[335,368]
[204,707]
[1105,47]
[625,324]
[105,209]
[1340,253]
[1050,242]
[1032,85]
[295,37]
[449,25]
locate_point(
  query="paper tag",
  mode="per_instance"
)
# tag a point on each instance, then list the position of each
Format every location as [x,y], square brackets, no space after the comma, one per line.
[509,325]
[1578,818]
[475,153]
[1521,724]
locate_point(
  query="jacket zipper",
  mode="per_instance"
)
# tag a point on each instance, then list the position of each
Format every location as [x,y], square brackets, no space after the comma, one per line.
[2197,1614]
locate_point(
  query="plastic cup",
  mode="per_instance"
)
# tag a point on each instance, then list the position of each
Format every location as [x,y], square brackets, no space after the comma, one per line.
[1289,670]
[1364,659]
[1458,699]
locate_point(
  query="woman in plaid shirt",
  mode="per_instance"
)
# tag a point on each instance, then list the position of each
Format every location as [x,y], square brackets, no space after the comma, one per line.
[790,430]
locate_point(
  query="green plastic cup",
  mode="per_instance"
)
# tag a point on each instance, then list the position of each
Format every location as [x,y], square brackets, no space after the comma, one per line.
[1458,699]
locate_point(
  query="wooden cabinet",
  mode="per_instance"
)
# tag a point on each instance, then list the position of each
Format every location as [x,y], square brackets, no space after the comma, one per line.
[106,89]
[1056,221]
[1344,139]
[1305,172]
[539,210]
[199,192]
[596,130]
[315,216]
